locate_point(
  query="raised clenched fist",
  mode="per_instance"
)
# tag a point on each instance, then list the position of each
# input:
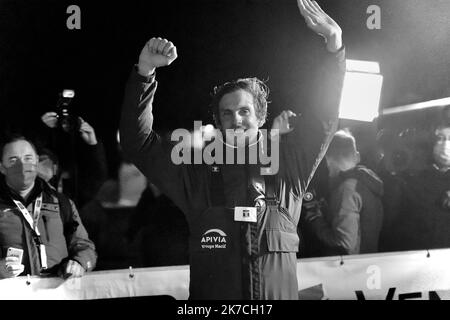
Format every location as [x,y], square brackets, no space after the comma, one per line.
[156,53]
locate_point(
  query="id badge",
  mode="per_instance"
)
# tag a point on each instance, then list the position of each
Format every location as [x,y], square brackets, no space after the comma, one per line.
[43,254]
[245,214]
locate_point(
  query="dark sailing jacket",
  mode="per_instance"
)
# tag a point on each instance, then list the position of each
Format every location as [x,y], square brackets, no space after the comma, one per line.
[59,225]
[354,217]
[230,259]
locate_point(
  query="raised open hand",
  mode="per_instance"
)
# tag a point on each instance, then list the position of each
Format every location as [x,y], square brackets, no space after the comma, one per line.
[321,23]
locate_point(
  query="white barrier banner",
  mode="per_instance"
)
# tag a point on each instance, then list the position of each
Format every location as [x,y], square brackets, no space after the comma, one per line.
[390,276]
[142,282]
[405,275]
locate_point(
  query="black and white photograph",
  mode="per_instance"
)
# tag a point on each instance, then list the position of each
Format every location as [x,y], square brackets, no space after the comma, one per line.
[229,151]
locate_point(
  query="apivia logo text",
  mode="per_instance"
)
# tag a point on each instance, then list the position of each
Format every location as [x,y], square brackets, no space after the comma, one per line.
[214,239]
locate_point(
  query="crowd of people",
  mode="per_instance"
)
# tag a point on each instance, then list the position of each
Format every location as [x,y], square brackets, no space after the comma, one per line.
[359,211]
[236,227]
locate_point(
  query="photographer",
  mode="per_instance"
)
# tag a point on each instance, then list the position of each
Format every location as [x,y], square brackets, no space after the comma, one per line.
[78,155]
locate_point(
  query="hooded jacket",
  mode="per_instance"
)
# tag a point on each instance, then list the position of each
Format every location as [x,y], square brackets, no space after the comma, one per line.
[354,215]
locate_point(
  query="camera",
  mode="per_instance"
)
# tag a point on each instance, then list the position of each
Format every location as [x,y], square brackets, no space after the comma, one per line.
[404,151]
[67,120]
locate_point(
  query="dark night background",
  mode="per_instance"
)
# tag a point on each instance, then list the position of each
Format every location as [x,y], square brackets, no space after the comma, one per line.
[217,40]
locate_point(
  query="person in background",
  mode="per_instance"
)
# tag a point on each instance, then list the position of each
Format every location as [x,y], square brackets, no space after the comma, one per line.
[38,220]
[107,218]
[161,228]
[355,209]
[72,158]
[423,219]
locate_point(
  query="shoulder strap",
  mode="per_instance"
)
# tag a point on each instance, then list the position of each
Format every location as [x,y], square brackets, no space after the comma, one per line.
[65,209]
[267,184]
[217,190]
[270,185]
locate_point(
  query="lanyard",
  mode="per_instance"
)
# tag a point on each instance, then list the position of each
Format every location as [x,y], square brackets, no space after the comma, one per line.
[33,222]
[31,219]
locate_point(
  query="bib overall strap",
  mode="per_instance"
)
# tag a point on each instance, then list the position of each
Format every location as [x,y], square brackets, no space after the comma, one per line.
[271,195]
[217,190]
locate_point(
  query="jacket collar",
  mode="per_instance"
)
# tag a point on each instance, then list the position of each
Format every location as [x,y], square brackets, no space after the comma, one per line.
[7,194]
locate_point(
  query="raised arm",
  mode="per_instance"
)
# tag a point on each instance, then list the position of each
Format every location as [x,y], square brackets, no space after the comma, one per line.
[303,148]
[322,24]
[140,144]
[137,118]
